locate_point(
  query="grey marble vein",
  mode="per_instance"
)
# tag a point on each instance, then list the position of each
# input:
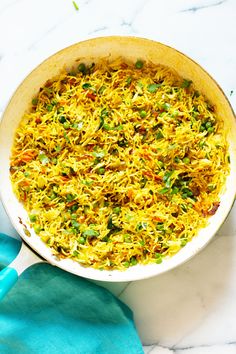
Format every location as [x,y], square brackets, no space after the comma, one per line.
[129,25]
[9,4]
[148,349]
[202,347]
[202,7]
[199,349]
[99,29]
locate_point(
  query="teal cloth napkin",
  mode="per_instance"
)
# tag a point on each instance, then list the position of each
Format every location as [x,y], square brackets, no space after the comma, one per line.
[52,311]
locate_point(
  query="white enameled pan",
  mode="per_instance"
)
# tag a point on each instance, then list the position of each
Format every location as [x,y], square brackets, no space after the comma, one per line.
[90,50]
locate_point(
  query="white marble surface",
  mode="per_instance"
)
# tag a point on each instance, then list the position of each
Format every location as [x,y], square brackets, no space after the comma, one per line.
[192,309]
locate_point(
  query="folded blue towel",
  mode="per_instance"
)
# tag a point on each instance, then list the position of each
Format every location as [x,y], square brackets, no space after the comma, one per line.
[52,311]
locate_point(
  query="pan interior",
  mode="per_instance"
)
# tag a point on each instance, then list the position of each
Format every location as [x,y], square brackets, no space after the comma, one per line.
[130,48]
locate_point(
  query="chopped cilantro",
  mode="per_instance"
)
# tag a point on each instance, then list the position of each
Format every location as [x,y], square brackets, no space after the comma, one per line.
[186,83]
[43,159]
[90,233]
[152,88]
[86,86]
[139,64]
[75,5]
[34,101]
[159,135]
[99,154]
[66,137]
[141,226]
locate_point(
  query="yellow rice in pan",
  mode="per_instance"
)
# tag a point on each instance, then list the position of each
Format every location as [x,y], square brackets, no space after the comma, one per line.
[119,163]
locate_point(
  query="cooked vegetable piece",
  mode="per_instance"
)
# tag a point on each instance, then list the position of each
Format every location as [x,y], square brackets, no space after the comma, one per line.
[139,64]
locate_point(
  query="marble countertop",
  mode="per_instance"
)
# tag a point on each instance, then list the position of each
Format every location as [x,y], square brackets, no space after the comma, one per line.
[192,309]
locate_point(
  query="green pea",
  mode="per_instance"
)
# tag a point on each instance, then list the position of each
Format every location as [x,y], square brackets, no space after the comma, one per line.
[32,217]
[183,243]
[37,228]
[208,124]
[101,171]
[75,224]
[210,129]
[117,210]
[159,260]
[82,68]
[34,101]
[139,64]
[49,107]
[82,240]
[143,114]
[66,125]
[133,261]
[186,160]
[107,126]
[158,257]
[202,144]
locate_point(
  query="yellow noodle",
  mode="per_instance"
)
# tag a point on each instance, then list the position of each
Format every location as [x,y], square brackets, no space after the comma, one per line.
[118,165]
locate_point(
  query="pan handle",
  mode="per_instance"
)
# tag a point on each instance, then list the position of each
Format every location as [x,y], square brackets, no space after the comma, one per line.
[10,274]
[8,277]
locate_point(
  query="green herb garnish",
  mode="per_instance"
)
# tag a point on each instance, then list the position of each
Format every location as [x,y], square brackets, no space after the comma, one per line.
[90,233]
[152,88]
[43,159]
[186,83]
[139,64]
[75,5]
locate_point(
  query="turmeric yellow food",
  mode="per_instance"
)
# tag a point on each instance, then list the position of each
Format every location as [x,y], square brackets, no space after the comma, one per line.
[119,163]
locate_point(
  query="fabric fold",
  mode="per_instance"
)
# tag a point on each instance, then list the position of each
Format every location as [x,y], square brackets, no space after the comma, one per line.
[52,311]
